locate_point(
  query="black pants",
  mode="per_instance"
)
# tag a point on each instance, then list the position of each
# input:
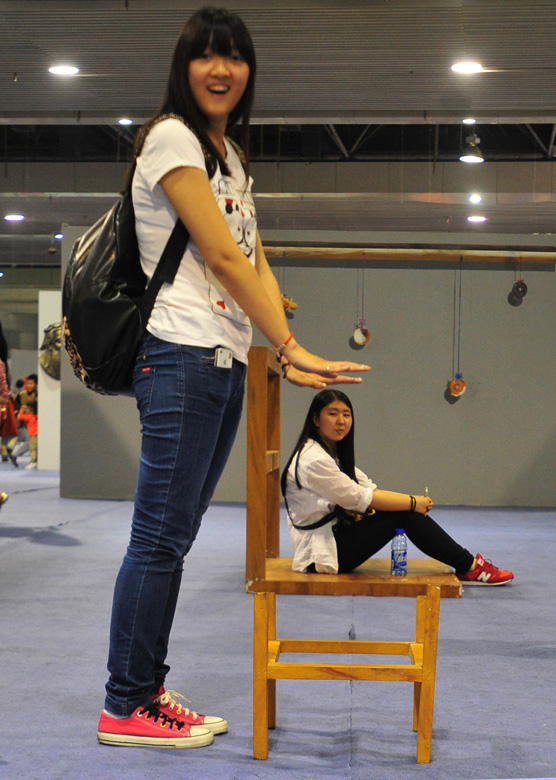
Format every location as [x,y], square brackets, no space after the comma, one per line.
[358,541]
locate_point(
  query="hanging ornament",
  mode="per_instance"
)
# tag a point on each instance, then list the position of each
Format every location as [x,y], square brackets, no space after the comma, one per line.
[519,288]
[288,303]
[361,335]
[456,386]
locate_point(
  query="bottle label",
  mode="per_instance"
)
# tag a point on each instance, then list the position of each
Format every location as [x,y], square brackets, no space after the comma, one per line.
[399,563]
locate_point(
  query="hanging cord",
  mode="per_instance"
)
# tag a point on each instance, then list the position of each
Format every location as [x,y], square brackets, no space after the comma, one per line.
[456,337]
[360,296]
[518,271]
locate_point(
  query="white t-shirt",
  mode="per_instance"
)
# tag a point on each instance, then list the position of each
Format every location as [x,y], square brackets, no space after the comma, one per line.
[323,486]
[195,310]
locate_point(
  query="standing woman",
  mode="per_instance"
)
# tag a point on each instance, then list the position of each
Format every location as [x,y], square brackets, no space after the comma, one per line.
[190,371]
[337,516]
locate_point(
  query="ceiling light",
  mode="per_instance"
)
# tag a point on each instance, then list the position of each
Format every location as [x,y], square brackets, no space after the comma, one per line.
[59,236]
[475,198]
[63,70]
[469,120]
[467,67]
[14,217]
[1,274]
[125,121]
[476,218]
[471,152]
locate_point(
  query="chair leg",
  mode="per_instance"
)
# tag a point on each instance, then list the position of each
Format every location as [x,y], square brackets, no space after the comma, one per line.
[421,603]
[271,684]
[260,686]
[426,698]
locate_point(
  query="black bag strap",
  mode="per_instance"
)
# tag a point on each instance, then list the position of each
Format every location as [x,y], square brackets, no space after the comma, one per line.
[335,513]
[167,267]
[318,523]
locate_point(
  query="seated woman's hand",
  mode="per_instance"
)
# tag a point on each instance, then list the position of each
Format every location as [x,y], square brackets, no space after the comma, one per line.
[423,504]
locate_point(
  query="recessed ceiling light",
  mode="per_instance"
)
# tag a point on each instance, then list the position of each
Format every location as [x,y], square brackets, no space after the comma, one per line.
[63,70]
[125,121]
[476,218]
[14,217]
[467,66]
[469,120]
[475,198]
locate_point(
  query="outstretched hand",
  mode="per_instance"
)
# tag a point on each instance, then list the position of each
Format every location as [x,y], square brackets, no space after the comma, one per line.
[319,382]
[307,363]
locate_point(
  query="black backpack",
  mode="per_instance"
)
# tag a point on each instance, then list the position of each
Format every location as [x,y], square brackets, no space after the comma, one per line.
[106,302]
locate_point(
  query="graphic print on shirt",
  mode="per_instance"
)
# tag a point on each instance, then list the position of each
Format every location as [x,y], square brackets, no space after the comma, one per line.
[238,209]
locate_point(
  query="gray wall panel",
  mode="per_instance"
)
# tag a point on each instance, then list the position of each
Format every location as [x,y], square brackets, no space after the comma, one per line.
[495,446]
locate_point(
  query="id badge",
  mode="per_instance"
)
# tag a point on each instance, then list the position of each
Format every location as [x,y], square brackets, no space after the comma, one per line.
[223,357]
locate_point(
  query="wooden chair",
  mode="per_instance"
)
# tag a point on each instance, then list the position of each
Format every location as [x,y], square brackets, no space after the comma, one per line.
[268,575]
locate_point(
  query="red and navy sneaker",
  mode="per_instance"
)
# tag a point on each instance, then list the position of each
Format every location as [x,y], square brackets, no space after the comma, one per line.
[149,727]
[485,573]
[167,702]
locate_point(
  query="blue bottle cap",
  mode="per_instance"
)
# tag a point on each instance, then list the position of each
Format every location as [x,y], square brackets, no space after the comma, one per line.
[400,531]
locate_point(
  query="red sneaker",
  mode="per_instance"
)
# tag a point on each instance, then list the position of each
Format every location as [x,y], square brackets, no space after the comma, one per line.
[485,573]
[147,726]
[166,702]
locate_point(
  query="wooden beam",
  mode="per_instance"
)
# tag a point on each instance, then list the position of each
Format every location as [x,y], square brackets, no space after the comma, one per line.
[408,255]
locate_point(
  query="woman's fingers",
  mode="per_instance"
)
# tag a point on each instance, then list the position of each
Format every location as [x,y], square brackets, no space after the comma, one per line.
[319,382]
[339,379]
[305,361]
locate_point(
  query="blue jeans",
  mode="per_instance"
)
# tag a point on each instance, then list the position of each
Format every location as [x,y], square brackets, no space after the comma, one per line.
[190,410]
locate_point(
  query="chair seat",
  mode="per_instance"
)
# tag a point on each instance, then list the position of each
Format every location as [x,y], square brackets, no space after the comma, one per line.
[373,578]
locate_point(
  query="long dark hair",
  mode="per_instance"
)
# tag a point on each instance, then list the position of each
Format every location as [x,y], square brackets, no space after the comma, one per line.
[4,353]
[224,32]
[3,347]
[344,448]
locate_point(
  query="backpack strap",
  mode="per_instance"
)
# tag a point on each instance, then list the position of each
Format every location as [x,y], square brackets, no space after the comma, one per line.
[337,513]
[167,266]
[318,523]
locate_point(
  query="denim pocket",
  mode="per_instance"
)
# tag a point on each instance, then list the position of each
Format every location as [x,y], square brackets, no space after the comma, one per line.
[143,383]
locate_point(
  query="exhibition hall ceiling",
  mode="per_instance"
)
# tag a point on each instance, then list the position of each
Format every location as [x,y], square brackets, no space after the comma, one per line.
[366,81]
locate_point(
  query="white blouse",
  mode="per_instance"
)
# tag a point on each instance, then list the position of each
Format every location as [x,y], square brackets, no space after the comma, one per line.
[323,486]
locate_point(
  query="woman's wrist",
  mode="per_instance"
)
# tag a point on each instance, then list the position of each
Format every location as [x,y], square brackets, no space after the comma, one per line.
[281,348]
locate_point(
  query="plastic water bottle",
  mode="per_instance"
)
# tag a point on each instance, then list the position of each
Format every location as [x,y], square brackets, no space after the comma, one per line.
[398,558]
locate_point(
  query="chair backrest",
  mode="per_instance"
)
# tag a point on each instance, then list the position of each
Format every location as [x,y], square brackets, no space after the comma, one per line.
[263,461]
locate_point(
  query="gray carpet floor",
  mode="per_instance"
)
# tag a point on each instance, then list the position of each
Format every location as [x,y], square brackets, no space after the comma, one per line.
[496,691]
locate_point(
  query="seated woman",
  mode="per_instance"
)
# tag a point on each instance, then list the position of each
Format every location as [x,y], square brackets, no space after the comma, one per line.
[321,481]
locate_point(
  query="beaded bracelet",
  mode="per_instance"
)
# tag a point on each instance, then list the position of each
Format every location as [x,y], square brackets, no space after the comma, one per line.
[284,367]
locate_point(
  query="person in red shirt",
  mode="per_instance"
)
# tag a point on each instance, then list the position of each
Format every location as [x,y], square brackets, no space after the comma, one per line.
[28,416]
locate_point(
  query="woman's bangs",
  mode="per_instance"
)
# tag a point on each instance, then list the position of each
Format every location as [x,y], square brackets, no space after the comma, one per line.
[221,40]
